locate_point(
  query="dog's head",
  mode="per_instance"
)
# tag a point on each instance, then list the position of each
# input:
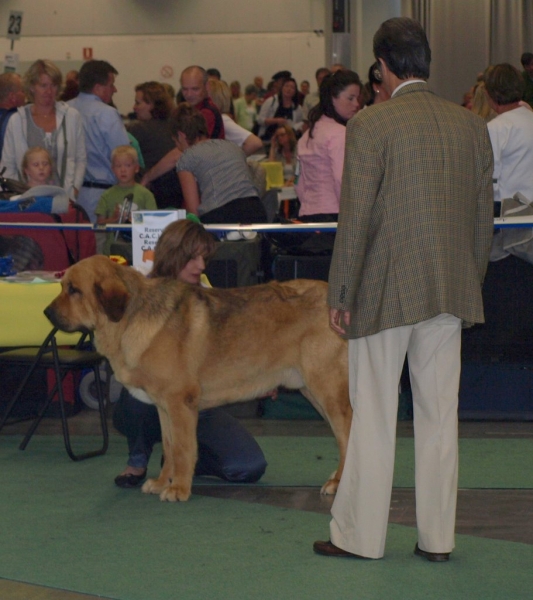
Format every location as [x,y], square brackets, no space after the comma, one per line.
[93,293]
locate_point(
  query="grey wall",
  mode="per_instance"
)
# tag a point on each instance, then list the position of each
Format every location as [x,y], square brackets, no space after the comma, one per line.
[156,39]
[143,17]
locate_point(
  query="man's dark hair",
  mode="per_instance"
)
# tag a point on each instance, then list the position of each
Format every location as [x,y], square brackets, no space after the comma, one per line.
[214,73]
[526,59]
[321,70]
[95,72]
[281,75]
[403,45]
[504,84]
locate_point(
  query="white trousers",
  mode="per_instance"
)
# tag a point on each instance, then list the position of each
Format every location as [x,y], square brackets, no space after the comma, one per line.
[361,507]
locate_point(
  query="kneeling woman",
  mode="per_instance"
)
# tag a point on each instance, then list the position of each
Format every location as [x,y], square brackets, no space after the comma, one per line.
[215,178]
[225,448]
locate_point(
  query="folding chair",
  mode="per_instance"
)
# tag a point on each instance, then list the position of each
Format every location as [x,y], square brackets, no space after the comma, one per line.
[61,360]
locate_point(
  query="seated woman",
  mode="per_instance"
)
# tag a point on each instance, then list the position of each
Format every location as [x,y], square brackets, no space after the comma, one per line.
[282,109]
[225,448]
[283,150]
[321,148]
[215,178]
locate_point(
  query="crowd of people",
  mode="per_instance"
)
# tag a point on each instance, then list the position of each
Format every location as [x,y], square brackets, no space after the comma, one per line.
[76,123]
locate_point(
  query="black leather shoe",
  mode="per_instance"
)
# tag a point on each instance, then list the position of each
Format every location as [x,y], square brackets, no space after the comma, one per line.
[130,480]
[432,556]
[329,549]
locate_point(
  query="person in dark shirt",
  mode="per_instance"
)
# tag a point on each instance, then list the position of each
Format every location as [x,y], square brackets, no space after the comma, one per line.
[11,97]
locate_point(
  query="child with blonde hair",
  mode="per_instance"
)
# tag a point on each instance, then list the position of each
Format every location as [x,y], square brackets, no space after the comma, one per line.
[125,165]
[37,167]
[37,174]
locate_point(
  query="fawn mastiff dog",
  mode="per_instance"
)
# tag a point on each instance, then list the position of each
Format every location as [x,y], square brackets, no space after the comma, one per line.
[188,348]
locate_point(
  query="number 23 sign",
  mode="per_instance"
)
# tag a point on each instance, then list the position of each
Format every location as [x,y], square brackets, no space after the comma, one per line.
[14,24]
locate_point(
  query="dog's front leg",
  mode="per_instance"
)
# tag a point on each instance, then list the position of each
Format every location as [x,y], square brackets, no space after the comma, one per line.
[179,420]
[182,450]
[156,486]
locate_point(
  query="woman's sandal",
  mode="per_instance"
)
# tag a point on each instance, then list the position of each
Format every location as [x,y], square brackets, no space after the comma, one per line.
[130,480]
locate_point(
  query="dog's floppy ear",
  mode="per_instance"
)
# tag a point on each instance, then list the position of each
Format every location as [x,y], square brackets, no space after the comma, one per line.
[113,297]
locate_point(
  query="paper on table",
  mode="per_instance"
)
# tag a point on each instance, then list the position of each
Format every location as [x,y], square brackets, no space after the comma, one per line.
[34,277]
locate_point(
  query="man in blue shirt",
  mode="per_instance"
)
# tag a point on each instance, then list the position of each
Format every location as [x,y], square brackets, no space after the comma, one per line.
[104,130]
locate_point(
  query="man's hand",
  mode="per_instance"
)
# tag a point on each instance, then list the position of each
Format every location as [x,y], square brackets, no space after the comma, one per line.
[338,319]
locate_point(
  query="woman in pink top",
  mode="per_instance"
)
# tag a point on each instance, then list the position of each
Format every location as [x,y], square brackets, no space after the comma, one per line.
[321,148]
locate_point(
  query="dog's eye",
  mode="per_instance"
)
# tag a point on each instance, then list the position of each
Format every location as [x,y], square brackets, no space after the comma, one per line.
[73,290]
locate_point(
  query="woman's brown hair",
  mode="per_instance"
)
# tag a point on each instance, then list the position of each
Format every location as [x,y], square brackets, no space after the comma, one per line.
[179,242]
[155,93]
[189,121]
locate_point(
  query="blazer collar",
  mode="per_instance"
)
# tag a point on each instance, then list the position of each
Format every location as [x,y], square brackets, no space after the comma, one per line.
[419,86]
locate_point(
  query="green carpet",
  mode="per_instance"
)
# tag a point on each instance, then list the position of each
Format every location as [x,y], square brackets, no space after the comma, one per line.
[66,525]
[483,463]
[69,527]
[292,461]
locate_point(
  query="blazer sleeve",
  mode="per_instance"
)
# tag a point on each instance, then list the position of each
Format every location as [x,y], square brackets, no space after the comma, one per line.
[485,206]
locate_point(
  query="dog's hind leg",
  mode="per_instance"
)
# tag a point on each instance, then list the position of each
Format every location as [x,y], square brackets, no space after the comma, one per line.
[334,406]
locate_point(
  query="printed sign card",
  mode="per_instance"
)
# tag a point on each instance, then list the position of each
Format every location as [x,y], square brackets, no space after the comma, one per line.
[146,227]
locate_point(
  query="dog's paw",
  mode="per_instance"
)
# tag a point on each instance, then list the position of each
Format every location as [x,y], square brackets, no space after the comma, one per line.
[330,487]
[153,486]
[175,493]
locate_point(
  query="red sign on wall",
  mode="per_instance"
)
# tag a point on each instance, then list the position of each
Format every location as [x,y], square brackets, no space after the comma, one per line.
[87,53]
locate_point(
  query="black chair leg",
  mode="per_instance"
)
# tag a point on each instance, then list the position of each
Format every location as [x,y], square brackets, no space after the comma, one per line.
[103,422]
[60,376]
[64,421]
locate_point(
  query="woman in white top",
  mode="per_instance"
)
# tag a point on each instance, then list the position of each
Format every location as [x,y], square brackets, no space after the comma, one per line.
[220,95]
[282,109]
[48,124]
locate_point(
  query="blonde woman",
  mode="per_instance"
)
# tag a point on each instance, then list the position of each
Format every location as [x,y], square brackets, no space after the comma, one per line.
[220,95]
[283,150]
[47,123]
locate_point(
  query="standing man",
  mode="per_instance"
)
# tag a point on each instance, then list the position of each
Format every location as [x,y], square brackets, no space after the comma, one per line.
[103,127]
[11,97]
[193,90]
[193,82]
[415,229]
